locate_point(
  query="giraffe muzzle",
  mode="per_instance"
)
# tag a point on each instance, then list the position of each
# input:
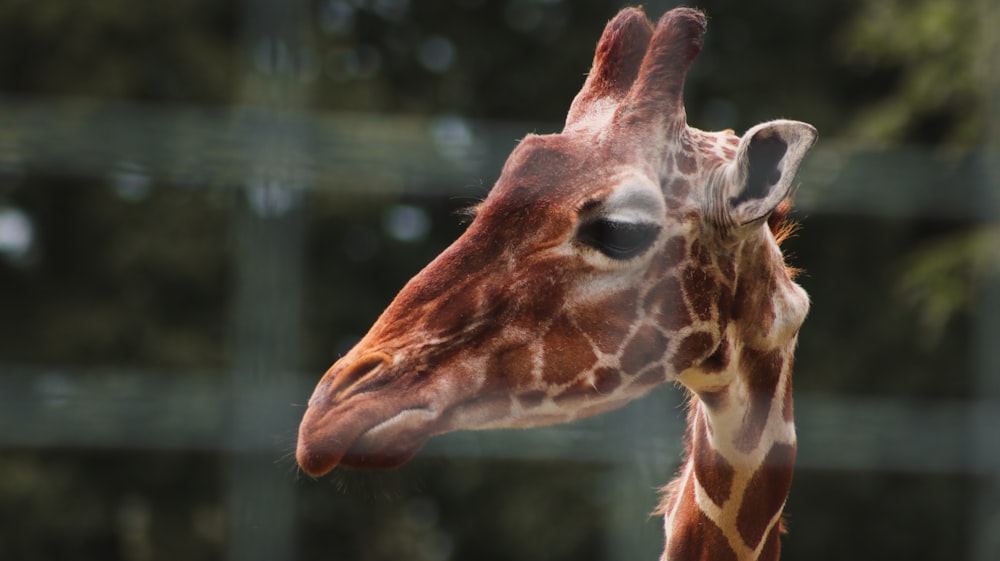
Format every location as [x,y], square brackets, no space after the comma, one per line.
[366,412]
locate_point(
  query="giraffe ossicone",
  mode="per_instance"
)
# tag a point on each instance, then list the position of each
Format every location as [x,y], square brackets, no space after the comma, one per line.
[626,251]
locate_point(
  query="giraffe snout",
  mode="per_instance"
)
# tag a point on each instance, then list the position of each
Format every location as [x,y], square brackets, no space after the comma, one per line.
[350,375]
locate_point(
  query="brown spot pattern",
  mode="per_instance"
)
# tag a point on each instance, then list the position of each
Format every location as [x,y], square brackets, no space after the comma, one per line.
[566,353]
[701,290]
[700,254]
[607,321]
[693,349]
[666,303]
[645,347]
[686,163]
[765,494]
[509,368]
[719,360]
[712,470]
[651,376]
[673,253]
[694,537]
[605,381]
[679,188]
[763,371]
[752,300]
[533,399]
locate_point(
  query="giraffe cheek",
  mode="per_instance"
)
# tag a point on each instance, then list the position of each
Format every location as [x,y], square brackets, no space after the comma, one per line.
[607,321]
[645,348]
[566,353]
[509,368]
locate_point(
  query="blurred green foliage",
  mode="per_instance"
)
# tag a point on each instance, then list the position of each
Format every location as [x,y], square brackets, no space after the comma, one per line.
[927,54]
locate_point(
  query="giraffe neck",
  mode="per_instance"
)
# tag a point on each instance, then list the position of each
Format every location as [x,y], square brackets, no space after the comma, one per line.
[726,504]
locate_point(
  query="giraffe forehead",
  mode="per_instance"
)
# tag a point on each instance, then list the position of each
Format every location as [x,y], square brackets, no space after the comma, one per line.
[574,168]
[552,169]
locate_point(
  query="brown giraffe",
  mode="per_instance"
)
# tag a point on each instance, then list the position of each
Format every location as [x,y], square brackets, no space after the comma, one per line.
[626,251]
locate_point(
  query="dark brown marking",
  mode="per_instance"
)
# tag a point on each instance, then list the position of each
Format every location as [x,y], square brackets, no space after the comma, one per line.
[686,163]
[712,470]
[693,536]
[752,303]
[566,352]
[719,360]
[666,303]
[509,368]
[701,290]
[605,381]
[766,493]
[763,372]
[651,376]
[693,349]
[644,348]
[673,253]
[543,281]
[726,264]
[679,187]
[532,399]
[700,254]
[607,321]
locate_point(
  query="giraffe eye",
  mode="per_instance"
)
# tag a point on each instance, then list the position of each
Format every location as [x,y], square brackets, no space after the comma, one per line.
[616,239]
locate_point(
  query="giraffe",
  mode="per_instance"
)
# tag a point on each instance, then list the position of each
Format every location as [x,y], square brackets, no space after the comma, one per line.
[626,251]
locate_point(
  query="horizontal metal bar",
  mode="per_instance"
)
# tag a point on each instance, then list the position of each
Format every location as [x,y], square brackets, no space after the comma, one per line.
[366,154]
[148,410]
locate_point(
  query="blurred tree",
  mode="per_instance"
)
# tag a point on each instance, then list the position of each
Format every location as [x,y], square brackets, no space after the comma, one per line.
[924,57]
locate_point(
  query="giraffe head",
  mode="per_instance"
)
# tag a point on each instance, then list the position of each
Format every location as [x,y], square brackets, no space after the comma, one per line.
[626,251]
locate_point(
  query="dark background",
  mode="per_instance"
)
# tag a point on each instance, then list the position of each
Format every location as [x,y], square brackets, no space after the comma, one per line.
[204,203]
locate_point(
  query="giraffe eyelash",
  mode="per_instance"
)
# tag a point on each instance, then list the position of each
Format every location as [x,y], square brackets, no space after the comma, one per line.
[468,213]
[588,206]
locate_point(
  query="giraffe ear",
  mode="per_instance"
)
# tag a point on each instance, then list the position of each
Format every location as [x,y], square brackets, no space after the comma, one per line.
[763,172]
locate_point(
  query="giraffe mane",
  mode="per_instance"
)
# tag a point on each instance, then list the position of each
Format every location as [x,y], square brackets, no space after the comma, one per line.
[671,489]
[784,228]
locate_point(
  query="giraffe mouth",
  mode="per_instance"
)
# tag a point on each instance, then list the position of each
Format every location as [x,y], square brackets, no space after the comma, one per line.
[348,434]
[391,442]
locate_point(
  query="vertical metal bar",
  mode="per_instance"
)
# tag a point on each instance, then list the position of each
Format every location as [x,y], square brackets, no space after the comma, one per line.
[985,521]
[268,232]
[633,532]
[260,486]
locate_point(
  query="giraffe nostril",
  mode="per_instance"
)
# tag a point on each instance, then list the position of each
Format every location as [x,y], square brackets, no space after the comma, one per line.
[358,370]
